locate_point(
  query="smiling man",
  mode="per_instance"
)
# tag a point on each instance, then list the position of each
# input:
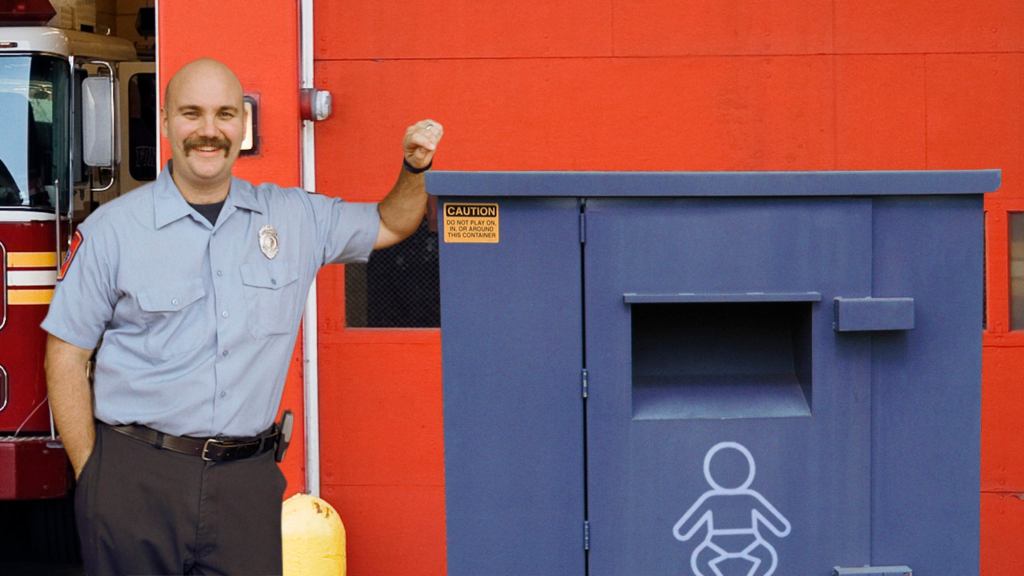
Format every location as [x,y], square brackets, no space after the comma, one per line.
[204,128]
[190,290]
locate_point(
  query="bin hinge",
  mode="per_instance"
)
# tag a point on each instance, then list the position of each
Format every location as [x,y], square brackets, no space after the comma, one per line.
[585,382]
[586,535]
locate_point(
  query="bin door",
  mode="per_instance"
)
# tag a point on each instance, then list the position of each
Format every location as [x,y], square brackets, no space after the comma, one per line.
[728,423]
[513,418]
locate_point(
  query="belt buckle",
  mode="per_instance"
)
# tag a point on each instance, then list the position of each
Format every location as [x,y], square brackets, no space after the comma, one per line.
[206,449]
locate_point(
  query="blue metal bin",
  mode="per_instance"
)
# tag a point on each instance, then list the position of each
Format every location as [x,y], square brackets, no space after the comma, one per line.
[716,374]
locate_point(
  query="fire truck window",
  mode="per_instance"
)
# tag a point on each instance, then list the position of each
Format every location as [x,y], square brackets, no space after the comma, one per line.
[1017,271]
[34,113]
[398,288]
[142,126]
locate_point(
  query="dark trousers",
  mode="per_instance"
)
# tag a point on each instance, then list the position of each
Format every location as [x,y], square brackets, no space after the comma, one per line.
[146,511]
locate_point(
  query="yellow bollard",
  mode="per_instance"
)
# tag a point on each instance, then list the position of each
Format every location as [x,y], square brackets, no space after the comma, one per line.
[312,538]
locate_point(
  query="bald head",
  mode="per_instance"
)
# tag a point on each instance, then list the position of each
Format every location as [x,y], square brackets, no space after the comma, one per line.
[203,73]
[203,118]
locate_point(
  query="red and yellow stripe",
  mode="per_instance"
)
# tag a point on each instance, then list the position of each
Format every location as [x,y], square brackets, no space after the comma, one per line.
[31,277]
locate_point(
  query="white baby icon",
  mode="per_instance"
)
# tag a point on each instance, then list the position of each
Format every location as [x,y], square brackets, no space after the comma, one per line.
[733,517]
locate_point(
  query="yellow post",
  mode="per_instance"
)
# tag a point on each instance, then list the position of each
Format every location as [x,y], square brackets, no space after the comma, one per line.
[312,537]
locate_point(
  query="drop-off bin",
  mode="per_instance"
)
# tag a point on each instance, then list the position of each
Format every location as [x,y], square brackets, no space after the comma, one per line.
[711,373]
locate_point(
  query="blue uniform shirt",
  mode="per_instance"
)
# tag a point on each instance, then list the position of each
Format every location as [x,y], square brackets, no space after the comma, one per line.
[198,325]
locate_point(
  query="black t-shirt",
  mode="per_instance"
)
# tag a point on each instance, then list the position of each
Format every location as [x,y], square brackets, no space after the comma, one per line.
[209,211]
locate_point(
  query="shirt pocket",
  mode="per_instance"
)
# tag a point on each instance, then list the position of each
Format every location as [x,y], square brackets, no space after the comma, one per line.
[174,318]
[271,295]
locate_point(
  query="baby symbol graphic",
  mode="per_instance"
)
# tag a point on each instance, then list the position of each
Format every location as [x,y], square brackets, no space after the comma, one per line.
[732,518]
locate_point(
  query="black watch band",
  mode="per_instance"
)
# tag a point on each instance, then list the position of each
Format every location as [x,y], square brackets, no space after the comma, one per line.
[412,169]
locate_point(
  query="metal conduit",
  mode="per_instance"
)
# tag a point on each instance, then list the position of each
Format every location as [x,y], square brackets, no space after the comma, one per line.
[310,358]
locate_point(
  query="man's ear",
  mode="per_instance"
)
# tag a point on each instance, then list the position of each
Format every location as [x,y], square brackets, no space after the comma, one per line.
[163,122]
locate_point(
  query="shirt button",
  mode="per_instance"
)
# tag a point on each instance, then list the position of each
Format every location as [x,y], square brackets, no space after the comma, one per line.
[220,272]
[174,301]
[224,353]
[273,281]
[223,394]
[224,314]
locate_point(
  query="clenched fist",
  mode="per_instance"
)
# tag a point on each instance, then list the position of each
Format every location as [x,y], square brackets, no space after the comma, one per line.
[420,142]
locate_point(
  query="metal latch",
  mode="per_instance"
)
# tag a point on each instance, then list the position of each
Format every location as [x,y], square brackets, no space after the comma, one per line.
[873,571]
[873,314]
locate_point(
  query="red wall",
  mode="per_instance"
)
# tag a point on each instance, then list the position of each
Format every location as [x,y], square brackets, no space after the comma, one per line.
[263,50]
[619,85]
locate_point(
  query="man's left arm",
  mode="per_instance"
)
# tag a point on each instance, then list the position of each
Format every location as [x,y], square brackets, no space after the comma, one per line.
[402,209]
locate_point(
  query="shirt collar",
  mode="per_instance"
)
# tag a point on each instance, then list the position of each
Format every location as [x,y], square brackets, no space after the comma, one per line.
[169,205]
[243,195]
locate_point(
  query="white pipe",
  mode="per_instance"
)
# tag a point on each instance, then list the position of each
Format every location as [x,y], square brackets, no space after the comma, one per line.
[310,359]
[159,92]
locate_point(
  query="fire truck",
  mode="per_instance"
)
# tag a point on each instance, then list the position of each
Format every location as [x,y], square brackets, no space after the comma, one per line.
[78,118]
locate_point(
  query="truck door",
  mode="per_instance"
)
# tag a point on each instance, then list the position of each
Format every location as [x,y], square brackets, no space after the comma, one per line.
[139,123]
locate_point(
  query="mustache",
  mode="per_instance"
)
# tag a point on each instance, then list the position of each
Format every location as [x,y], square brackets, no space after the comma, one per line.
[207,142]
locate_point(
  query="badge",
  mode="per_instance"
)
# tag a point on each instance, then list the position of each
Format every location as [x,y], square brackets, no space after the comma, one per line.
[268,241]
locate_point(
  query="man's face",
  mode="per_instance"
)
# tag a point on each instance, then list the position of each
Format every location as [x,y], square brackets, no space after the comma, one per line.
[204,120]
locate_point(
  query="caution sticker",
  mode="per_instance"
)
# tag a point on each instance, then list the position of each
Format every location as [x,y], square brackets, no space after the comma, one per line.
[470,223]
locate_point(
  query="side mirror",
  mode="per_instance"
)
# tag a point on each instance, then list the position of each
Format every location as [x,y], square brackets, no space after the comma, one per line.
[98,121]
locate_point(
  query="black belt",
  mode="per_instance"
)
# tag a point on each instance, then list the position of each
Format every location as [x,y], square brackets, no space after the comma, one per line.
[209,449]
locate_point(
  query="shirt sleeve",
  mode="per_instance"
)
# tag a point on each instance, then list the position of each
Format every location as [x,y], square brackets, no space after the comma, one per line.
[345,231]
[84,299]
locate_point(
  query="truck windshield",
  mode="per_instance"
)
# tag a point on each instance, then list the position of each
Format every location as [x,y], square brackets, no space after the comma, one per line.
[34,122]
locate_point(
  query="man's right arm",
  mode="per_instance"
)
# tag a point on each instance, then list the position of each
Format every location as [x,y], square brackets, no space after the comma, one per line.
[70,395]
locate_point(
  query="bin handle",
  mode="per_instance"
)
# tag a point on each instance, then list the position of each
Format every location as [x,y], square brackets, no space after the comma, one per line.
[873,314]
[873,571]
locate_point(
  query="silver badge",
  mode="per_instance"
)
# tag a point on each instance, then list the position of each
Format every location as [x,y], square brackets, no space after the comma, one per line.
[268,241]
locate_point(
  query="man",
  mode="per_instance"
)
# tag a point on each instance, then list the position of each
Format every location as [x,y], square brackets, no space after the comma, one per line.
[195,284]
